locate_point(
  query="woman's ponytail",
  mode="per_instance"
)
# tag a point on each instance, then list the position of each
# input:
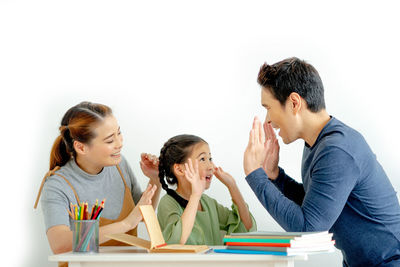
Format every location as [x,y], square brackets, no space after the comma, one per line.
[59,155]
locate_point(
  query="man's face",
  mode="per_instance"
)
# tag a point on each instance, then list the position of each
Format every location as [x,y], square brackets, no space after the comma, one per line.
[281,117]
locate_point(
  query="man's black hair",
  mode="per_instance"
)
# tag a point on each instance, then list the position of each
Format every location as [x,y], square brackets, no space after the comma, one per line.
[293,75]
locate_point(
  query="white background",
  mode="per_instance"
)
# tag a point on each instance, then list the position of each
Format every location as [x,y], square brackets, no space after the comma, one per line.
[173,67]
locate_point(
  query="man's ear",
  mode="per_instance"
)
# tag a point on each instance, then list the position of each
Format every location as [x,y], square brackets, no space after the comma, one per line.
[296,102]
[179,170]
[80,148]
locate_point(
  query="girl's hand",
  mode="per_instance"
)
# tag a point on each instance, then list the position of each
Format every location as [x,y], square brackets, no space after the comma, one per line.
[193,176]
[224,177]
[149,166]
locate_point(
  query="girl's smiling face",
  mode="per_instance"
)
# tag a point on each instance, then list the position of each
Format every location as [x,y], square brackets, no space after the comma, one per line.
[201,152]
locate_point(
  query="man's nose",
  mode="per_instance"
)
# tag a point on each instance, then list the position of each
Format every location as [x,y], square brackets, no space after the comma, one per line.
[267,119]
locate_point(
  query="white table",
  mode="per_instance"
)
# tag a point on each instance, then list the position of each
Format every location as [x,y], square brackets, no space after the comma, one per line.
[133,256]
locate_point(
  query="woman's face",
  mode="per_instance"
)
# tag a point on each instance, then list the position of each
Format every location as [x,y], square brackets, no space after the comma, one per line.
[105,148]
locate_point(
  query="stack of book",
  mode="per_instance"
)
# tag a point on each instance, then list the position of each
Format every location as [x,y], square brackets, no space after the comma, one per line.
[278,243]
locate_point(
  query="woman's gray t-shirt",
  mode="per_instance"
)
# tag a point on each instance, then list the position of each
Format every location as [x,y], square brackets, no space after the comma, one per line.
[57,194]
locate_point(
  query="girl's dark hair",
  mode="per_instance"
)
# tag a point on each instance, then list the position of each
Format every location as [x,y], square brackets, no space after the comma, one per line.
[176,150]
[293,75]
[77,124]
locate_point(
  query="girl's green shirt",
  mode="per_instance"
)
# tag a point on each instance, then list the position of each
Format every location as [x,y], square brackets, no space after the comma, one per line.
[210,225]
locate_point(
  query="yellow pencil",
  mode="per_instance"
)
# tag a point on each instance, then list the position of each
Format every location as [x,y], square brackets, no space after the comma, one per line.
[76,212]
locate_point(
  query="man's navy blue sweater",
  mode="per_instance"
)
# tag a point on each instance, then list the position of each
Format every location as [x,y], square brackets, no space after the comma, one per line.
[345,190]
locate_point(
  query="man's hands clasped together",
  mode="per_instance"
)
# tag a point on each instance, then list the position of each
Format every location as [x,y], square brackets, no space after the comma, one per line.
[262,150]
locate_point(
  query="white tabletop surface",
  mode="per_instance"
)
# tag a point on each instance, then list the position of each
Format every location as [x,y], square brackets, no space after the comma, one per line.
[130,253]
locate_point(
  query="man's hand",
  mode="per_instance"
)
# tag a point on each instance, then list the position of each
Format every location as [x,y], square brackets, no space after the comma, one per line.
[254,154]
[271,152]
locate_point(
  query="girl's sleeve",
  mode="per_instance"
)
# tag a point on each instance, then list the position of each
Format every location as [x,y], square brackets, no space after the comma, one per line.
[229,219]
[169,216]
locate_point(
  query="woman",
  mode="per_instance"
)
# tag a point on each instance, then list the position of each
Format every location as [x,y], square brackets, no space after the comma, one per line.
[86,164]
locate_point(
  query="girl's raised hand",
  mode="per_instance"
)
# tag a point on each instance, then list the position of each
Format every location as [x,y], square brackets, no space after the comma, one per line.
[224,177]
[193,176]
[149,166]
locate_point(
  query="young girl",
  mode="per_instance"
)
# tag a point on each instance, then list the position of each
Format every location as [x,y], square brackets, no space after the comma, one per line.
[186,215]
[86,164]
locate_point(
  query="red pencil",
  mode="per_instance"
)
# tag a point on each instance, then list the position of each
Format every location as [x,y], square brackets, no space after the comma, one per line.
[98,209]
[98,214]
[84,211]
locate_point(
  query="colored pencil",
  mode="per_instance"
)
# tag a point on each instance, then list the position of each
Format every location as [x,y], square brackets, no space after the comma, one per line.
[98,209]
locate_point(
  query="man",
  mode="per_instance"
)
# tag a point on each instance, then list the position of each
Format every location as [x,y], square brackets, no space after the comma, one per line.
[345,190]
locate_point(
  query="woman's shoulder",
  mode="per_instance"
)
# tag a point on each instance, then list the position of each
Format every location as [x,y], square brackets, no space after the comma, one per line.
[57,178]
[56,184]
[53,182]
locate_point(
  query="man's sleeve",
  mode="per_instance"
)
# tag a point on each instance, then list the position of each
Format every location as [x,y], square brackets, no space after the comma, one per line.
[289,187]
[333,177]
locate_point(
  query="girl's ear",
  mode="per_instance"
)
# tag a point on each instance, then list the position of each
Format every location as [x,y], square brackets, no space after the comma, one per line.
[179,169]
[80,148]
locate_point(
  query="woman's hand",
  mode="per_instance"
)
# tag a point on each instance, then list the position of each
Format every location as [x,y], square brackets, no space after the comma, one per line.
[149,166]
[193,176]
[135,216]
[147,195]
[224,177]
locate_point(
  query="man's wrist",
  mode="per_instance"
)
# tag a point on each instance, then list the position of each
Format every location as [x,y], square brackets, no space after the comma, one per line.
[273,175]
[251,169]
